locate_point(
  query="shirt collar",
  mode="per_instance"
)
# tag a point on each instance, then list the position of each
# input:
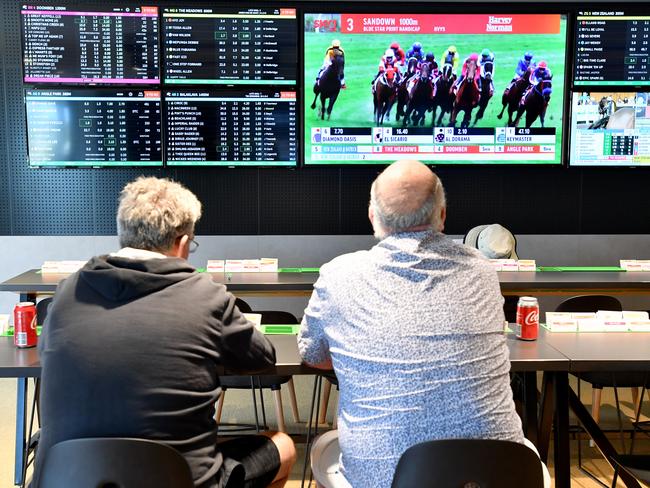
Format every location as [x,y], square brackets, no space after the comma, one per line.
[140,254]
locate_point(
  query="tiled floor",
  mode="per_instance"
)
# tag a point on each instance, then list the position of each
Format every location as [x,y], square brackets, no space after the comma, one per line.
[238,409]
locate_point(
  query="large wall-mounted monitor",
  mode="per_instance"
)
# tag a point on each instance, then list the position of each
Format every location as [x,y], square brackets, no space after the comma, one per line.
[99,127]
[612,48]
[352,132]
[231,127]
[254,46]
[97,46]
[610,128]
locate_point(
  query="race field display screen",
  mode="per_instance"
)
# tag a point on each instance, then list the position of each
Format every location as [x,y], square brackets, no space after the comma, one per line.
[612,48]
[112,46]
[444,89]
[231,127]
[93,127]
[610,129]
[230,46]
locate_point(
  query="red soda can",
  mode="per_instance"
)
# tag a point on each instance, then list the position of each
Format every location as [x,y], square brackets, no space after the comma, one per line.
[25,325]
[527,319]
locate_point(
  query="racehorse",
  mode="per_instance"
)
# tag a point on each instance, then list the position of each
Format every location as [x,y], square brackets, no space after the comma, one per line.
[402,88]
[328,86]
[534,103]
[487,69]
[420,97]
[623,118]
[467,98]
[512,97]
[441,96]
[384,95]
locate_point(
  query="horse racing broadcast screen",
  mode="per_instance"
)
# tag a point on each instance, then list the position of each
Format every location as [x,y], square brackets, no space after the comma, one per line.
[610,128]
[444,89]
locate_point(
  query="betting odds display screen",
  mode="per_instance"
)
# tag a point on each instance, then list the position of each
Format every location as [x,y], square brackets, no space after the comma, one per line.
[610,129]
[115,45]
[424,109]
[230,46]
[227,127]
[612,48]
[103,127]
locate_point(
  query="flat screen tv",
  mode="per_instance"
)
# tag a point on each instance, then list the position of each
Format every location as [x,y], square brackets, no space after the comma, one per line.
[420,108]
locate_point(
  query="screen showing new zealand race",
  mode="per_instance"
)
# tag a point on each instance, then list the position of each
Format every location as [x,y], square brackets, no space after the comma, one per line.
[445,89]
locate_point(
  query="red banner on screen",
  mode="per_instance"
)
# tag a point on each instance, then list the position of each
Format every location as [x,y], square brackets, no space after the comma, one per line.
[450,24]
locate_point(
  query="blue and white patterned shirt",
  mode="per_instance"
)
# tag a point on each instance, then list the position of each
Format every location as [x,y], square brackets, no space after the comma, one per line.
[414,327]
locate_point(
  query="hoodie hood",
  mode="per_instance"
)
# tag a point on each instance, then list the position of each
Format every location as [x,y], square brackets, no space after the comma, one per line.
[120,279]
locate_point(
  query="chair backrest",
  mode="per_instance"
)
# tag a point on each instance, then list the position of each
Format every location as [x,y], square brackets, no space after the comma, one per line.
[270,317]
[590,303]
[469,463]
[113,463]
[243,306]
[42,308]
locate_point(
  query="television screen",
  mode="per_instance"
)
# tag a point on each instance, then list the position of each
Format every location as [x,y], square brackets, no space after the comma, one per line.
[445,89]
[93,127]
[230,46]
[110,45]
[610,129]
[230,127]
[612,48]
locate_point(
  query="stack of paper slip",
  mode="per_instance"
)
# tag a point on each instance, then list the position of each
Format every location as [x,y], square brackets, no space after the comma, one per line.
[264,265]
[601,321]
[637,321]
[4,323]
[561,322]
[62,267]
[635,264]
[514,265]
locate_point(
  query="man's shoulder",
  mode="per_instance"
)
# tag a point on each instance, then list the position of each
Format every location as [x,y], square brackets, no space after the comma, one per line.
[345,264]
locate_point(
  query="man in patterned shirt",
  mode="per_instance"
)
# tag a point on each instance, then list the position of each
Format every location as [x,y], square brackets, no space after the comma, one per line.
[413,329]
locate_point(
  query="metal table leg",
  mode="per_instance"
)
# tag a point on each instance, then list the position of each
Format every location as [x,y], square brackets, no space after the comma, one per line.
[562,455]
[530,406]
[21,430]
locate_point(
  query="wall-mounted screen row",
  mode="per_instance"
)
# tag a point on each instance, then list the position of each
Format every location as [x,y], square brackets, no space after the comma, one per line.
[107,127]
[442,88]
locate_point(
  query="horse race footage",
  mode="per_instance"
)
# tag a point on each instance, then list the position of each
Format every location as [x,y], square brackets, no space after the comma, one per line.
[435,71]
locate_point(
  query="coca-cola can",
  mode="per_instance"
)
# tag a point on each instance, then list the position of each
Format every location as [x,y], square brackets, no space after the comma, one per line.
[527,327]
[25,325]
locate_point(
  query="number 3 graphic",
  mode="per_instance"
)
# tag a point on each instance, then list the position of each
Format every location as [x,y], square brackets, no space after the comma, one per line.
[350,27]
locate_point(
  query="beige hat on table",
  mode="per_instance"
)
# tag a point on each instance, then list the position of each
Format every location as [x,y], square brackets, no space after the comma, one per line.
[494,241]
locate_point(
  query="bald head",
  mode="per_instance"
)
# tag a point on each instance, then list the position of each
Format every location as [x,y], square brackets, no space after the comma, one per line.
[406,196]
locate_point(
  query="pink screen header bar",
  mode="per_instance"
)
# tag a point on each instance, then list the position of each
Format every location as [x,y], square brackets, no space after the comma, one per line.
[30,79]
[92,14]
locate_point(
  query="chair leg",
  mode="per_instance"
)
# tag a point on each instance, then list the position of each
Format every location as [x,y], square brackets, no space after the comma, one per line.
[596,395]
[636,400]
[324,401]
[279,413]
[220,406]
[294,402]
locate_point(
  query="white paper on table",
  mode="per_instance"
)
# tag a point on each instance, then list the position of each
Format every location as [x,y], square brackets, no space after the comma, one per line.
[216,266]
[615,325]
[269,265]
[631,265]
[509,265]
[609,316]
[4,323]
[590,325]
[527,265]
[635,315]
[639,325]
[255,318]
[645,264]
[67,267]
[234,265]
[583,315]
[496,264]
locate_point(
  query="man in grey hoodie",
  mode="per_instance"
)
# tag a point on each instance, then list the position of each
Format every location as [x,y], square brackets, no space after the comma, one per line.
[132,345]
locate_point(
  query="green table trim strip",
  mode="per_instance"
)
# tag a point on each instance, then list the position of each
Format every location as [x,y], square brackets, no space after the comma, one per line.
[280,329]
[10,332]
[580,268]
[298,270]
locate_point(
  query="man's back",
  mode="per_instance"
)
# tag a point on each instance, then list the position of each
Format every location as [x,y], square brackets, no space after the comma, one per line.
[131,348]
[415,330]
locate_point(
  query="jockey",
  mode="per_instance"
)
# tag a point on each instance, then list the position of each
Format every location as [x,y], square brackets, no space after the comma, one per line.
[387,61]
[525,63]
[471,59]
[415,52]
[487,56]
[540,73]
[400,55]
[334,50]
[430,59]
[451,57]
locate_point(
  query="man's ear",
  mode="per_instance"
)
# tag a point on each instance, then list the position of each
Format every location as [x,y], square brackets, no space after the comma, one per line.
[371,215]
[443,217]
[181,247]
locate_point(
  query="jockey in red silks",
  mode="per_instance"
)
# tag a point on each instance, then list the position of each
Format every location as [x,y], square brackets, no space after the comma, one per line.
[472,60]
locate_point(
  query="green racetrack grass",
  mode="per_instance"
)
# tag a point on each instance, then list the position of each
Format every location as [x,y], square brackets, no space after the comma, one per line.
[354,107]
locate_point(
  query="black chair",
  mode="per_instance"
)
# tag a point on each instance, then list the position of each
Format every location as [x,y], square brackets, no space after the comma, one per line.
[274,383]
[113,463]
[637,465]
[475,463]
